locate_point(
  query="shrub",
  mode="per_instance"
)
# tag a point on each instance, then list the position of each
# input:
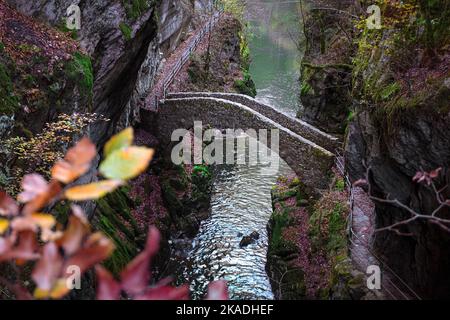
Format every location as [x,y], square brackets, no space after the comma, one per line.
[39,152]
[33,240]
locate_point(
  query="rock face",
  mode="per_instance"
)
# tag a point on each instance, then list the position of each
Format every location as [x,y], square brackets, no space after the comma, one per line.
[326,75]
[396,133]
[422,141]
[124,65]
[125,45]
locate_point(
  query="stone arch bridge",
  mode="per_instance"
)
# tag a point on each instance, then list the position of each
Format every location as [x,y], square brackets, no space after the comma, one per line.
[306,149]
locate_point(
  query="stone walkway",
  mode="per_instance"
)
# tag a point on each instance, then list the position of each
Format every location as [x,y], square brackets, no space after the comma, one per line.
[168,66]
[363,256]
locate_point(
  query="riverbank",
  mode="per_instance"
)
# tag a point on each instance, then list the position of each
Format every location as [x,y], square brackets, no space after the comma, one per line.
[308,256]
[220,63]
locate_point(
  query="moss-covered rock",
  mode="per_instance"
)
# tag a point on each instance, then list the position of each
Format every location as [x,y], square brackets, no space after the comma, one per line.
[113,217]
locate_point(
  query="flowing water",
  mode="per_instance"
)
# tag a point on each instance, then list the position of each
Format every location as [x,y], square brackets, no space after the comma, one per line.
[241,204]
[274,41]
[241,195]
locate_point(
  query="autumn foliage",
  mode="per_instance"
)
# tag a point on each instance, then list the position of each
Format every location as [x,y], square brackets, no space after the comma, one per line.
[36,247]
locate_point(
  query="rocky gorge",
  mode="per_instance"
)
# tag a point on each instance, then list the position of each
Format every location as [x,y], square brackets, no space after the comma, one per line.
[378,96]
[387,89]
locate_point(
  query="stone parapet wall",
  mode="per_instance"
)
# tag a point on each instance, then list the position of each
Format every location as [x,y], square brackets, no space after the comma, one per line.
[310,162]
[302,128]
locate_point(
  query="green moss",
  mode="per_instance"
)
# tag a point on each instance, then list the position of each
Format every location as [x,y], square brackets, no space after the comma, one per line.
[113,217]
[174,205]
[340,185]
[8,101]
[62,211]
[305,89]
[135,8]
[328,226]
[80,70]
[126,31]
[63,28]
[280,221]
[246,85]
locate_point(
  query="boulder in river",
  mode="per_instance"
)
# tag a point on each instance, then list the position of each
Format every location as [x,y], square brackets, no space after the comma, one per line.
[250,239]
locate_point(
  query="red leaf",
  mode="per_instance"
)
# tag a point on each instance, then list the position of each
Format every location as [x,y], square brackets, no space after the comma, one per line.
[42,199]
[96,249]
[33,185]
[136,276]
[165,293]
[82,153]
[8,207]
[217,290]
[76,163]
[75,233]
[107,287]
[21,246]
[48,269]
[435,173]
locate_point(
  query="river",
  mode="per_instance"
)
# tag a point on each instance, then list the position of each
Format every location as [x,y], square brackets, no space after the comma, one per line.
[241,195]
[241,204]
[274,34]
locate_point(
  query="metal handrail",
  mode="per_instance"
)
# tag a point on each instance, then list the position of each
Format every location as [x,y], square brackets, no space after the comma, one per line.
[207,28]
[339,161]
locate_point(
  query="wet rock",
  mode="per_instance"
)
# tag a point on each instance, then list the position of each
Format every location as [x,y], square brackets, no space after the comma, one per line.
[255,235]
[250,239]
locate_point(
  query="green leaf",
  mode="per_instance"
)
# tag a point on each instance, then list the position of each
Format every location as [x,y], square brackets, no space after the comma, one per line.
[121,140]
[125,164]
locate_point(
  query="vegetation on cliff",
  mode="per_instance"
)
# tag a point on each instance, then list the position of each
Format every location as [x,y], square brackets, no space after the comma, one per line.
[51,249]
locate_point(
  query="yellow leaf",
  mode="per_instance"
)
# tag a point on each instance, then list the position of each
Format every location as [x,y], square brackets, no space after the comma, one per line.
[121,140]
[41,294]
[44,220]
[128,163]
[92,191]
[60,289]
[4,224]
